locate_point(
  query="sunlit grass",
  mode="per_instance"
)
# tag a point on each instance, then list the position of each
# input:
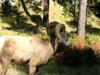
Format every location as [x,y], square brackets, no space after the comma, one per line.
[53,68]
[16,69]
[94,21]
[92,38]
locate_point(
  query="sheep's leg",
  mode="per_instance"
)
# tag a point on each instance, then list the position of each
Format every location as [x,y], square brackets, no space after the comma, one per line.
[5,65]
[32,69]
[37,70]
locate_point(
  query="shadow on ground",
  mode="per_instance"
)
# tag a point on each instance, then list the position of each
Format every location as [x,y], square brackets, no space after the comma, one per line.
[89,28]
[20,23]
[85,69]
[92,30]
[73,63]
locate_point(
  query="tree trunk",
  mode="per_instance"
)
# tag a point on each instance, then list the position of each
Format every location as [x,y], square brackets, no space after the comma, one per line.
[25,9]
[46,12]
[82,18]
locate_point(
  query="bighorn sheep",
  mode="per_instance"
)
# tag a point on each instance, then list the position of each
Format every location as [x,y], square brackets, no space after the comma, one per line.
[34,50]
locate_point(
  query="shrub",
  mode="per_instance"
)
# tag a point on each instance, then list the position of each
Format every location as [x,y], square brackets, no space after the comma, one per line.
[96,48]
[77,43]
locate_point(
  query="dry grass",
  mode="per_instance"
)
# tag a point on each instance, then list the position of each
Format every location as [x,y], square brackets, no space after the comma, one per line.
[16,70]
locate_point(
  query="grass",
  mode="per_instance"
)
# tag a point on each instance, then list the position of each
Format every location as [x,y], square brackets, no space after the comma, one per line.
[54,69]
[15,69]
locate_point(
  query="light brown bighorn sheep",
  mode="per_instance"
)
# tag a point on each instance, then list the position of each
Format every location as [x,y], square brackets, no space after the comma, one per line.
[35,50]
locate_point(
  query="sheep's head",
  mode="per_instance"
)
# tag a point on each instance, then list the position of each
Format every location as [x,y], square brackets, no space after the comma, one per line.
[61,34]
[57,34]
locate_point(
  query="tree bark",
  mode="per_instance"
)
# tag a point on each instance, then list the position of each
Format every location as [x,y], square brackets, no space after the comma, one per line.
[82,18]
[46,12]
[25,9]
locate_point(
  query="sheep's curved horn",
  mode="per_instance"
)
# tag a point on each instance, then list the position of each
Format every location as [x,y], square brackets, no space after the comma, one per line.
[51,28]
[59,28]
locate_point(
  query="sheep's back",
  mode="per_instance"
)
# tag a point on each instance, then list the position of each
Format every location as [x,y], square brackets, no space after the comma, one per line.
[21,49]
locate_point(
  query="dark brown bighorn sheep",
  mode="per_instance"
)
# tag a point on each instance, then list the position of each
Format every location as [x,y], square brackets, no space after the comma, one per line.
[34,50]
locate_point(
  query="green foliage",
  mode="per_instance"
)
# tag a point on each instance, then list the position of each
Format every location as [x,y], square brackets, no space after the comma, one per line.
[92,38]
[65,4]
[67,7]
